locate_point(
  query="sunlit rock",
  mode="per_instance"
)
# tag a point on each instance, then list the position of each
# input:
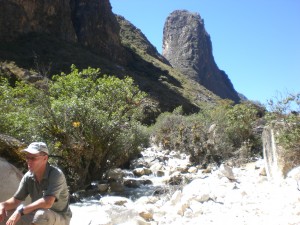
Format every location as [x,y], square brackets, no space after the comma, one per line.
[141,171]
[114,174]
[10,178]
[227,172]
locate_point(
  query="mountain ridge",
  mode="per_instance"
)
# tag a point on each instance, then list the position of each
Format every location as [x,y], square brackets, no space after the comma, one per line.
[111,43]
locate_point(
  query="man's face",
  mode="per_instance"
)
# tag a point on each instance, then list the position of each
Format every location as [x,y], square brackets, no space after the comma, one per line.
[35,161]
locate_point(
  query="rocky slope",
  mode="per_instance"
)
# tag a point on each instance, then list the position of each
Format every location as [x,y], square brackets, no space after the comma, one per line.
[49,36]
[90,23]
[188,47]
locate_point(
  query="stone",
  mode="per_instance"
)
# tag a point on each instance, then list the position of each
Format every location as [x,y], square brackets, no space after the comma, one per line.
[114,174]
[279,161]
[132,183]
[176,178]
[193,169]
[263,172]
[103,187]
[156,167]
[10,150]
[146,215]
[294,174]
[227,171]
[160,173]
[116,186]
[10,178]
[141,171]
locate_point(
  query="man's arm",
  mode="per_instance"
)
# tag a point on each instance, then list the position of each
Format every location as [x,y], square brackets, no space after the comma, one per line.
[42,203]
[9,204]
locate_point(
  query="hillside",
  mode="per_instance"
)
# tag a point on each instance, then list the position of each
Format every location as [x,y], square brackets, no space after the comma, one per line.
[116,46]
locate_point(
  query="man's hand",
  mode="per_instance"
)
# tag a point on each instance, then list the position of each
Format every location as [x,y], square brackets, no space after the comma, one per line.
[15,217]
[2,213]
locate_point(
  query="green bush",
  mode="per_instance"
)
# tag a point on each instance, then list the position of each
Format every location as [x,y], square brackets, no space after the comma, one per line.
[286,109]
[213,134]
[182,133]
[20,109]
[90,123]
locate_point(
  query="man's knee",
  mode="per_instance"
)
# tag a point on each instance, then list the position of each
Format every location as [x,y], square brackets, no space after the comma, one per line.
[43,216]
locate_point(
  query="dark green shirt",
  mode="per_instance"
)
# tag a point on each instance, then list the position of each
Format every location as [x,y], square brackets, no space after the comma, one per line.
[53,184]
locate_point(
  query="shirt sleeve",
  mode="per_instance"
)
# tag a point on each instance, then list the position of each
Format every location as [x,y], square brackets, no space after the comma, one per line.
[22,191]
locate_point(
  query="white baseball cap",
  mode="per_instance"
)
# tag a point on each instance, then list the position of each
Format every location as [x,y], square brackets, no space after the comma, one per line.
[37,147]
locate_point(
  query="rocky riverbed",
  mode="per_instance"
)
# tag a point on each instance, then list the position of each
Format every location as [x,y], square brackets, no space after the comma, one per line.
[223,194]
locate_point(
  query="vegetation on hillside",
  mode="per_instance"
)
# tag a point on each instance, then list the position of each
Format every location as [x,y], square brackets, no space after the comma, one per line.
[92,122]
[46,55]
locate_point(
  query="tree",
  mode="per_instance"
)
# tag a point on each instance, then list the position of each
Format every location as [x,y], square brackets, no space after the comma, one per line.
[90,122]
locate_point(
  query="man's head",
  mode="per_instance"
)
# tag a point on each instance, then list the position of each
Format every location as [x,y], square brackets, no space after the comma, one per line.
[36,157]
[37,148]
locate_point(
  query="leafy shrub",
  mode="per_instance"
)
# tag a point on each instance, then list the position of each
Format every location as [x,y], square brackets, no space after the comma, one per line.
[211,135]
[19,110]
[286,109]
[90,123]
[182,133]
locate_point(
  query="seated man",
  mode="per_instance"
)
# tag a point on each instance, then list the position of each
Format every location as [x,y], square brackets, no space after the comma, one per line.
[47,188]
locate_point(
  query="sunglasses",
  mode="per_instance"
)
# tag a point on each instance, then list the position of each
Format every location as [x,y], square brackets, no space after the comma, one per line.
[32,158]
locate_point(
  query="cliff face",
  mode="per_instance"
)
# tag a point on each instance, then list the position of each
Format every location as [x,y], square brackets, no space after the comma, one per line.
[187,46]
[49,36]
[134,38]
[20,17]
[90,23]
[97,28]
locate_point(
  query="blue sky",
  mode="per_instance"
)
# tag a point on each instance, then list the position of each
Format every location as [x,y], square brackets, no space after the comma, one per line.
[257,42]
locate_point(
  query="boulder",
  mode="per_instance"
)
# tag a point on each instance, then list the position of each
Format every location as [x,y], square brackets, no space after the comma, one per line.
[227,172]
[115,174]
[10,150]
[141,171]
[10,178]
[279,161]
[136,182]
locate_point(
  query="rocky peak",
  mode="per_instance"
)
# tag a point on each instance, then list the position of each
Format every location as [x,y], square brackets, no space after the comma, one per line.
[188,47]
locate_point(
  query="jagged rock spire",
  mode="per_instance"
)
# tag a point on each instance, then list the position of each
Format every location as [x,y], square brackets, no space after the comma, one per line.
[187,46]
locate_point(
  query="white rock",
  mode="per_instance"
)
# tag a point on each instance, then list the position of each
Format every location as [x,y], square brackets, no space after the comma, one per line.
[227,171]
[10,178]
[89,214]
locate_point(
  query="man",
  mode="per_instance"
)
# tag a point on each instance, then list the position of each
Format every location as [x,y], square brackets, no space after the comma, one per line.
[47,188]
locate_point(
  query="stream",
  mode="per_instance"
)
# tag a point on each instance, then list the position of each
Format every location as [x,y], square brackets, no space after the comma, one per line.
[178,193]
